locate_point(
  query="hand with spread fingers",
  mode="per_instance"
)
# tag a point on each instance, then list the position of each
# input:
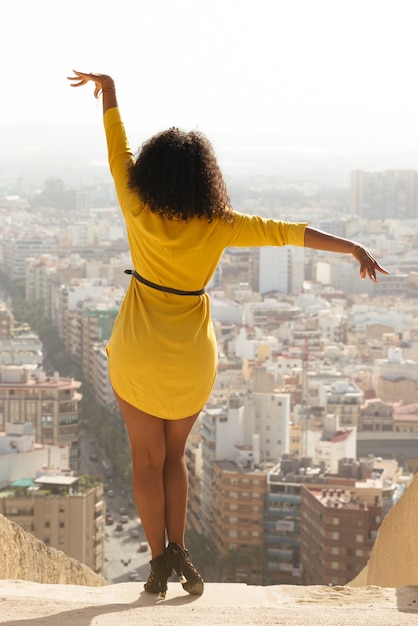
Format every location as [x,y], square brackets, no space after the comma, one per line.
[104,84]
[368,264]
[320,240]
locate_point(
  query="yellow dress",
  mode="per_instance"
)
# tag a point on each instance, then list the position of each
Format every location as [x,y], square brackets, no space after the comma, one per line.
[163,352]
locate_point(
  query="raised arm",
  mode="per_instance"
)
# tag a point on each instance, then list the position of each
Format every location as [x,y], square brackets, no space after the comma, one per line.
[320,240]
[104,85]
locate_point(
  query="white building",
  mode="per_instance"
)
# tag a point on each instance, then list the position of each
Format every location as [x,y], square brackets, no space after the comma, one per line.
[281,269]
[394,367]
[21,457]
[257,346]
[101,381]
[331,444]
[224,310]
[25,349]
[268,416]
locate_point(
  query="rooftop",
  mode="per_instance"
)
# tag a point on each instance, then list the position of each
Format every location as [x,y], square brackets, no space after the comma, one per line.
[27,603]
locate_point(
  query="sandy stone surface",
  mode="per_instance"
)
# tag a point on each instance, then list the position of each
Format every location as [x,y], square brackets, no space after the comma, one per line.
[24,603]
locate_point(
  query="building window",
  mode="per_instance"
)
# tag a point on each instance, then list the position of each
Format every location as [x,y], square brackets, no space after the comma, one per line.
[335,536]
[359,538]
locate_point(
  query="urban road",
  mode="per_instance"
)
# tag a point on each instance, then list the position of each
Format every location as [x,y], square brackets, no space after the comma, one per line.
[127,554]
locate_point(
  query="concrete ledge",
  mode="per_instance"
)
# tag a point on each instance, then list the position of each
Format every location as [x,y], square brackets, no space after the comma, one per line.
[24,603]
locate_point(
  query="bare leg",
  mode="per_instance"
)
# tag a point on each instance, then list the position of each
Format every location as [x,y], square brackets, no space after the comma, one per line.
[147,439]
[176,477]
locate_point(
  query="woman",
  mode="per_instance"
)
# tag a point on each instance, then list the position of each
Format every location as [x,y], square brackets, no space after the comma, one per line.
[162,352]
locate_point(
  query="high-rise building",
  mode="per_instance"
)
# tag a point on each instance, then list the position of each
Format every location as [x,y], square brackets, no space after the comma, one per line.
[389,194]
[238,497]
[281,269]
[282,518]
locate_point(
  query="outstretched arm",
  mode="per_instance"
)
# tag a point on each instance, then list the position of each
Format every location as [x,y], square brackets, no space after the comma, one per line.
[319,240]
[104,85]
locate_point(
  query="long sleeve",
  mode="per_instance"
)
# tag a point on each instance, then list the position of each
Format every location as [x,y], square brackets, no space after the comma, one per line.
[119,155]
[252,230]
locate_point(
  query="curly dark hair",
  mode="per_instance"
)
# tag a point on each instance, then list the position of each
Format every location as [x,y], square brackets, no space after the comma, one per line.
[176,175]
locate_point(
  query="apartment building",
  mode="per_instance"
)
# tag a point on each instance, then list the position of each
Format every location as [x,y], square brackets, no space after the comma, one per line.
[281,269]
[237,500]
[95,326]
[25,349]
[65,512]
[220,429]
[376,416]
[344,399]
[39,492]
[100,377]
[339,522]
[396,378]
[194,467]
[49,403]
[16,250]
[282,518]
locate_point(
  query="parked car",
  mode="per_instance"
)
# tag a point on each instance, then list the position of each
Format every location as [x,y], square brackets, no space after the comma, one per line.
[109,519]
[110,493]
[119,527]
[124,519]
[134,533]
[143,546]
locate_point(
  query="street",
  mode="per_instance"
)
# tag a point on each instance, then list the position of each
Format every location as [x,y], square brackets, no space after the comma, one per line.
[122,553]
[122,550]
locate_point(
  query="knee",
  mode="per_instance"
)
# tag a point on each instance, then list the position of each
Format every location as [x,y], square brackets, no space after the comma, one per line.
[175,458]
[147,461]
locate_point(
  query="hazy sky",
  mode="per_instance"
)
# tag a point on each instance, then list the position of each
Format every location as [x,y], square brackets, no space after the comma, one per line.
[309,68]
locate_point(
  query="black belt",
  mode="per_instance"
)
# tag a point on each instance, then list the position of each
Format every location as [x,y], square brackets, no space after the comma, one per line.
[177,292]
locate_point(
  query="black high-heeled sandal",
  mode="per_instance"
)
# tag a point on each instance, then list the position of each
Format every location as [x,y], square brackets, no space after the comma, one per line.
[160,573]
[189,577]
